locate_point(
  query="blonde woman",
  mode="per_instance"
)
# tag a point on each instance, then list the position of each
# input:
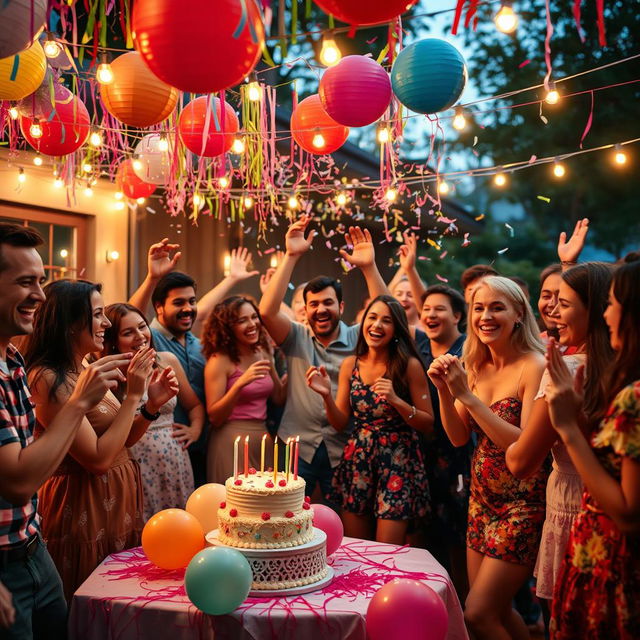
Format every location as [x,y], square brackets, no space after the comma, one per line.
[504,362]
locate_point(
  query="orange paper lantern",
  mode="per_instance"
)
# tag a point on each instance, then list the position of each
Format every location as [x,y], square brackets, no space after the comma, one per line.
[314,130]
[22,74]
[136,96]
[128,182]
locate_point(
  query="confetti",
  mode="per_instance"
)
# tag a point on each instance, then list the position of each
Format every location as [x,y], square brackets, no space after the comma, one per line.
[524,64]
[441,278]
[466,242]
[475,141]
[532,159]
[434,244]
[480,217]
[503,250]
[510,229]
[544,198]
[291,286]
[443,255]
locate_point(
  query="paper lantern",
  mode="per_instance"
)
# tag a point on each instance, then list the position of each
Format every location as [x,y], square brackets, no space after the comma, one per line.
[356,91]
[365,11]
[219,138]
[314,130]
[20,23]
[63,132]
[429,75]
[128,182]
[199,46]
[22,74]
[150,163]
[136,96]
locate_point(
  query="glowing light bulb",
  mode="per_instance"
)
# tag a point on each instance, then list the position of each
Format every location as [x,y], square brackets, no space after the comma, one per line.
[64,253]
[254,91]
[443,187]
[500,180]
[141,200]
[51,47]
[37,160]
[620,157]
[113,255]
[341,199]
[329,54]
[506,20]
[118,195]
[383,134]
[459,121]
[22,176]
[137,165]
[552,96]
[13,113]
[163,143]
[88,192]
[223,181]
[35,130]
[95,139]
[248,202]
[318,141]
[197,199]
[273,263]
[293,203]
[559,169]
[119,205]
[238,146]
[87,167]
[104,74]
[58,183]
[391,194]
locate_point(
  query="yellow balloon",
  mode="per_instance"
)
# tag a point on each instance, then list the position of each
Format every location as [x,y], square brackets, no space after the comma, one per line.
[204,503]
[22,74]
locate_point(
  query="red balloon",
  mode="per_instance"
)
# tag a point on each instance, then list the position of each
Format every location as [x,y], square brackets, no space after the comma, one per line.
[219,138]
[365,11]
[128,182]
[63,133]
[199,46]
[314,130]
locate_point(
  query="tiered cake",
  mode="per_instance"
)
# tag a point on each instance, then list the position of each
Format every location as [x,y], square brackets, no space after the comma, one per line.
[271,523]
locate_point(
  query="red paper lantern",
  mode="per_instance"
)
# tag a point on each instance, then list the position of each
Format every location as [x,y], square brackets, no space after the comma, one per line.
[219,138]
[63,133]
[128,182]
[199,46]
[365,11]
[314,130]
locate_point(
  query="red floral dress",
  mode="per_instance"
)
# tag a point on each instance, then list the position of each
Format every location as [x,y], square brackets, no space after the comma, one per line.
[382,468]
[597,594]
[505,514]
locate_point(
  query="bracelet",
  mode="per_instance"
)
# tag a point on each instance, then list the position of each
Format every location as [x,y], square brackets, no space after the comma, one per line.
[568,263]
[144,412]
[413,412]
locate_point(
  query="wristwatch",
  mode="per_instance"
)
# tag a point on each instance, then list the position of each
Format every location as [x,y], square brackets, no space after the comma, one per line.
[148,416]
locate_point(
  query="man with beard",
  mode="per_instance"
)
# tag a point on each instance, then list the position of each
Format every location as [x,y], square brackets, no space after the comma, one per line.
[179,317]
[324,343]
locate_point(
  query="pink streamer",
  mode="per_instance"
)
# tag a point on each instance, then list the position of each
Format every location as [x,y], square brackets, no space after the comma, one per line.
[547,45]
[589,121]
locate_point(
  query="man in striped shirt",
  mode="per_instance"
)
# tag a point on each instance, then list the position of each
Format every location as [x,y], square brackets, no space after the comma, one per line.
[34,606]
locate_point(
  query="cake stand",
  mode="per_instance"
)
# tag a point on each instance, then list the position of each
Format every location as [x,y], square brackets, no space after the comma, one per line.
[291,565]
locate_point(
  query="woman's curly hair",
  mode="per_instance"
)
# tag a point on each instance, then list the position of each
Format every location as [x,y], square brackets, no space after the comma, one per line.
[218,336]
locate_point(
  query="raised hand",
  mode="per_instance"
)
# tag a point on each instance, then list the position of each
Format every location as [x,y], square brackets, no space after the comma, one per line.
[162,387]
[139,370]
[265,278]
[295,240]
[408,251]
[362,254]
[239,263]
[569,250]
[383,387]
[160,262]
[318,380]
[99,377]
[259,369]
[185,434]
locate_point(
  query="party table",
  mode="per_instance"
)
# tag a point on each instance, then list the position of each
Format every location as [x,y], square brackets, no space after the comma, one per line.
[127,598]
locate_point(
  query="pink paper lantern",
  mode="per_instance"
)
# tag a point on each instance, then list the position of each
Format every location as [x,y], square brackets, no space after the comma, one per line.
[191,126]
[365,11]
[356,91]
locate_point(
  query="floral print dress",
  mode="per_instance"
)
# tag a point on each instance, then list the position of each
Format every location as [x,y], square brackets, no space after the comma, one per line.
[597,594]
[505,514]
[382,469]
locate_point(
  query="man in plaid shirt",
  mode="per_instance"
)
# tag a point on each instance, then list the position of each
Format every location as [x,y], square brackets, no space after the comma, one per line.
[31,601]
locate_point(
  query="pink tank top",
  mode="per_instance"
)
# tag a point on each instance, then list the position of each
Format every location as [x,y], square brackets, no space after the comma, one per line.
[252,401]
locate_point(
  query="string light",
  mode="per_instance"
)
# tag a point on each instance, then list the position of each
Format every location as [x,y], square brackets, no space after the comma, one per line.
[22,176]
[118,195]
[95,139]
[223,182]
[64,253]
[247,201]
[13,113]
[500,179]
[104,74]
[341,199]
[51,47]
[391,194]
[293,203]
[88,192]
[238,146]
[506,20]
[197,200]
[58,183]
[163,143]
[330,53]
[559,169]
[254,90]
[137,165]
[119,205]
[87,167]
[619,157]
[383,134]
[443,187]
[552,96]
[37,160]
[35,130]
[141,201]
[459,121]
[318,141]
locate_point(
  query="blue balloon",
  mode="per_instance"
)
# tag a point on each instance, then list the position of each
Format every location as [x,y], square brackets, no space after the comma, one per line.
[218,580]
[429,75]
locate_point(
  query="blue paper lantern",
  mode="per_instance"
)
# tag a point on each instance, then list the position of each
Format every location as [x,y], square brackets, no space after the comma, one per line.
[429,75]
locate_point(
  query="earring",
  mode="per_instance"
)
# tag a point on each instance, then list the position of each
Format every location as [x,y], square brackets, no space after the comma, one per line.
[517,324]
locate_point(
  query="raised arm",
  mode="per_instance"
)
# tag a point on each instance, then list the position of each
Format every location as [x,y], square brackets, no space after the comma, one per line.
[278,324]
[408,254]
[24,470]
[338,410]
[569,250]
[363,256]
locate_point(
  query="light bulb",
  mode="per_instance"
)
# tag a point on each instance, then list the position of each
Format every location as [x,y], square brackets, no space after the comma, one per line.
[22,176]
[318,141]
[248,202]
[104,74]
[197,199]
[226,264]
[88,192]
[51,47]
[86,167]
[95,139]
[506,19]
[13,113]
[238,145]
[459,121]
[140,200]
[391,194]
[559,169]
[292,202]
[119,205]
[273,263]
[64,253]
[163,143]
[383,134]
[329,54]
[443,187]
[35,130]
[500,180]
[58,183]
[37,160]
[113,255]
[118,195]
[341,199]
[137,165]
[552,96]
[254,91]
[223,182]
[620,157]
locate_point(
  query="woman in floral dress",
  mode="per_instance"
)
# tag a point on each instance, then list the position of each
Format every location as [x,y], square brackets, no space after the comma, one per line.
[598,589]
[381,481]
[504,364]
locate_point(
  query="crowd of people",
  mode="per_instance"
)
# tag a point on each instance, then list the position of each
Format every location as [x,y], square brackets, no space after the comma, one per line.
[452,420]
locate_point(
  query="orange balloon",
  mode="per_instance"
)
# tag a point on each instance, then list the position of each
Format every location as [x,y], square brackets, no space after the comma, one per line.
[314,129]
[171,538]
[136,96]
[204,503]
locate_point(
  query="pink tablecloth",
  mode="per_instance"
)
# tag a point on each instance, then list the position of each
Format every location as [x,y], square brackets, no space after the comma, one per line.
[126,598]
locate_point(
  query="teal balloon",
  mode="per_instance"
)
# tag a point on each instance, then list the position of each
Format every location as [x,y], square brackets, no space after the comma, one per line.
[429,75]
[218,580]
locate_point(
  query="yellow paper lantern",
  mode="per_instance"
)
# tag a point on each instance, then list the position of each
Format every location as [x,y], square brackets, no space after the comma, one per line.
[22,74]
[136,97]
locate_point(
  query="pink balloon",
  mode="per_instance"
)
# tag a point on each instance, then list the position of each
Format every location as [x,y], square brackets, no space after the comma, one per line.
[356,91]
[405,609]
[329,521]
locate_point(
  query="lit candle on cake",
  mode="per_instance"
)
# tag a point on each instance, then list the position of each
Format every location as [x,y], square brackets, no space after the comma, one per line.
[275,460]
[246,457]
[286,457]
[264,437]
[235,458]
[295,460]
